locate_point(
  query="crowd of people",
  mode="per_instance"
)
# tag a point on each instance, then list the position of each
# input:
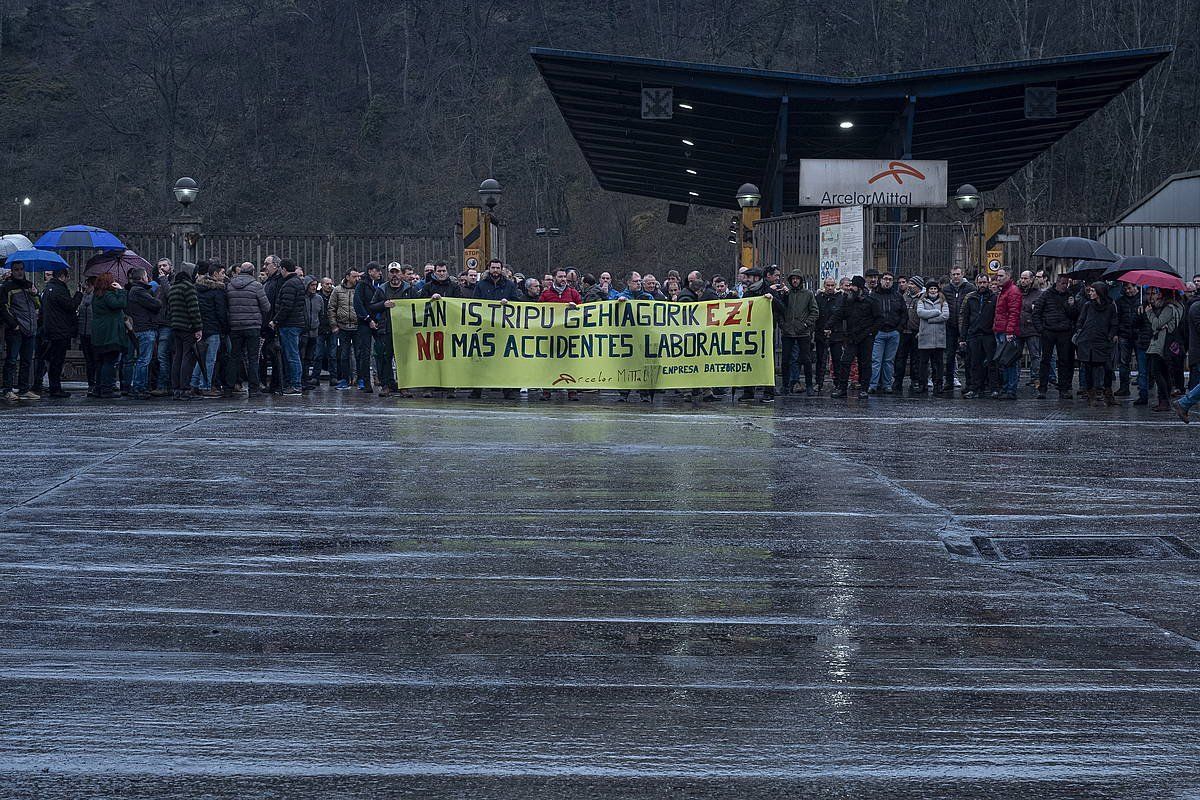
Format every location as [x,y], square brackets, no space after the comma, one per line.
[209,331]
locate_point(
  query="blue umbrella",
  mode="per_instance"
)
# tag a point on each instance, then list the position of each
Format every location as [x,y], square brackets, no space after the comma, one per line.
[79,237]
[37,260]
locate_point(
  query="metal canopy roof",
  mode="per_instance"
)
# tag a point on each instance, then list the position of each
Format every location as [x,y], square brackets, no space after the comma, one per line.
[754,125]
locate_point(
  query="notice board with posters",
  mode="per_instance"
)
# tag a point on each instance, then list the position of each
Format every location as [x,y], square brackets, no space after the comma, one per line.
[842,238]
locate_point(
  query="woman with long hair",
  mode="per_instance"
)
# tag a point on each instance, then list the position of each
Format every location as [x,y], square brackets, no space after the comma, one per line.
[1095,337]
[1163,314]
[109,338]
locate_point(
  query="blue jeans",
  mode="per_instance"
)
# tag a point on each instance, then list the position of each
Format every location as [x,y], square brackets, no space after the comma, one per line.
[289,340]
[883,358]
[18,360]
[141,368]
[1010,375]
[163,340]
[1191,398]
[212,346]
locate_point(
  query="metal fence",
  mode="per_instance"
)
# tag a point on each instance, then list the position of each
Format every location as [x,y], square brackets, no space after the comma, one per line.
[794,242]
[319,254]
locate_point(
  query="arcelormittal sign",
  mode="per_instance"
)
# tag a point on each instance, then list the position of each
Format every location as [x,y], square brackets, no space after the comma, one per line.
[870,182]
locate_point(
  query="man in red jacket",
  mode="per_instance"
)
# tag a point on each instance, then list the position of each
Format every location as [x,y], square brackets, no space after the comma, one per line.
[1008,325]
[559,291]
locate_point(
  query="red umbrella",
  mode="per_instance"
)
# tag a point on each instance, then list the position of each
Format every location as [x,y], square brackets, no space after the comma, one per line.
[1149,277]
[117,264]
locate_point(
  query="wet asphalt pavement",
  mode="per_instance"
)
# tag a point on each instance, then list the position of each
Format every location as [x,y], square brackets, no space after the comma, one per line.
[338,596]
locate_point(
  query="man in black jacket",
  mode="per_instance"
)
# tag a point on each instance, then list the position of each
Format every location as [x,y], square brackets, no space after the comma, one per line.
[288,320]
[1129,305]
[399,286]
[144,309]
[826,345]
[759,286]
[59,324]
[364,334]
[954,291]
[495,287]
[271,353]
[214,315]
[857,317]
[892,313]
[1055,313]
[977,317]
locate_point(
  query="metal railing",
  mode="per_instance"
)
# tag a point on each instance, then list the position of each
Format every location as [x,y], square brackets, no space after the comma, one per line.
[320,255]
[930,249]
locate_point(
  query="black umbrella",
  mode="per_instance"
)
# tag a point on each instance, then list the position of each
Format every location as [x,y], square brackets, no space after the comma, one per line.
[1131,263]
[1088,270]
[1075,247]
[198,350]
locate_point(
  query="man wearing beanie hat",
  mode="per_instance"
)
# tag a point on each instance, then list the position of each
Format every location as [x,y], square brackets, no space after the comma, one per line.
[860,317]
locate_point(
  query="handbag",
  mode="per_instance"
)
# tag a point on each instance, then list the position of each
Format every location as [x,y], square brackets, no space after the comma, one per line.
[1007,356]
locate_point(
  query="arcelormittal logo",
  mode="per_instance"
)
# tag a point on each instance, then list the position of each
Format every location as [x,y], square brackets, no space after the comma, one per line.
[897,169]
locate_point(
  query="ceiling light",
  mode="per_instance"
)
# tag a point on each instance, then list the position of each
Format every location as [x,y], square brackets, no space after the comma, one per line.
[694,194]
[686,106]
[688,142]
[691,172]
[846,125]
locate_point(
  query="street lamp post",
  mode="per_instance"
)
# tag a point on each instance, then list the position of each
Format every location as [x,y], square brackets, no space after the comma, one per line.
[186,229]
[548,234]
[748,198]
[966,200]
[21,202]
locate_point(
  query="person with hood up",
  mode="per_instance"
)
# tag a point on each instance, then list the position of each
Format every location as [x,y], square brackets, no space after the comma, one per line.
[892,312]
[310,338]
[19,307]
[797,322]
[187,328]
[856,317]
[1095,339]
[934,312]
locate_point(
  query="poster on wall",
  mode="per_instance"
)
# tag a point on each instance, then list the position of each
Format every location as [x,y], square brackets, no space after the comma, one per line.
[841,231]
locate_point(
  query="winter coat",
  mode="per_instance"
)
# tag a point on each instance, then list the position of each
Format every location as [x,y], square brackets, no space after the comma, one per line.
[1192,317]
[977,314]
[108,321]
[954,298]
[596,294]
[214,305]
[19,305]
[142,307]
[85,314]
[1008,310]
[341,308]
[290,307]
[247,304]
[686,295]
[164,312]
[185,308]
[1055,311]
[825,304]
[364,291]
[1128,309]
[314,312]
[800,313]
[551,294]
[934,317]
[1097,327]
[912,323]
[892,310]
[378,306]
[1029,326]
[859,315]
[487,289]
[446,288]
[58,311]
[1163,322]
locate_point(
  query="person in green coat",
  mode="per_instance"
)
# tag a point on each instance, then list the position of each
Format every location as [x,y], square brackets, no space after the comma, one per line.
[109,339]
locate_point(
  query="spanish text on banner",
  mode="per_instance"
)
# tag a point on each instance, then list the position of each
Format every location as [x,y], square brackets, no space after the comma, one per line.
[636,344]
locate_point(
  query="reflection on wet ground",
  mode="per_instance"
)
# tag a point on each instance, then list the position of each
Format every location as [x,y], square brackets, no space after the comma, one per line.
[332,597]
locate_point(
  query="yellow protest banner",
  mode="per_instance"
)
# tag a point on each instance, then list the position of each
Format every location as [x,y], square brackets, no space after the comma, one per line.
[636,344]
